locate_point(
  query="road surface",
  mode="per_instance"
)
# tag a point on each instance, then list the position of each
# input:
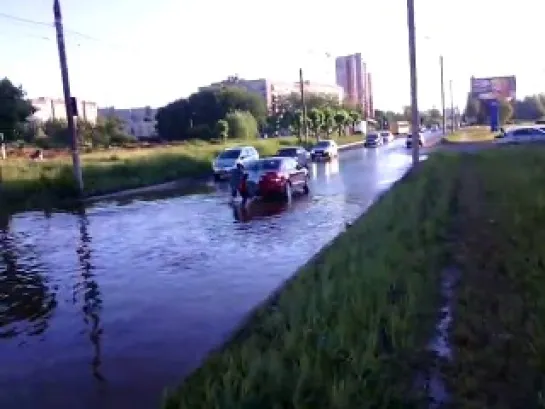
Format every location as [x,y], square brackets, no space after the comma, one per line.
[105,308]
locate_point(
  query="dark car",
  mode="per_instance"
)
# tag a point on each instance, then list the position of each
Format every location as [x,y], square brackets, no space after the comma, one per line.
[276,176]
[297,152]
[372,140]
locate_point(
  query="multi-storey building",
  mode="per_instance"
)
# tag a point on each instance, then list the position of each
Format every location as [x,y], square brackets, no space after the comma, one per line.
[54,108]
[268,89]
[138,122]
[354,78]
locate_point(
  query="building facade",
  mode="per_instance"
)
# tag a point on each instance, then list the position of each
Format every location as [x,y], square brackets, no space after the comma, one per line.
[55,109]
[268,89]
[353,77]
[138,122]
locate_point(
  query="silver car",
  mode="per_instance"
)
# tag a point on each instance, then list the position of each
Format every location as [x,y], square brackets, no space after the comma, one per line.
[230,157]
[296,152]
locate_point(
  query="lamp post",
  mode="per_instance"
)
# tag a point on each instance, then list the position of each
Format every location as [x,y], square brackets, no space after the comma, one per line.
[414,92]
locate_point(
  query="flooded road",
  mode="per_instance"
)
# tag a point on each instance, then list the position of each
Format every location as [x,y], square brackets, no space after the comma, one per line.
[106,307]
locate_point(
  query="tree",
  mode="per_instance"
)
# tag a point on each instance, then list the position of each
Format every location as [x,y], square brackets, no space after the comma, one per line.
[473,111]
[355,117]
[222,130]
[328,120]
[316,120]
[242,124]
[14,109]
[506,111]
[340,117]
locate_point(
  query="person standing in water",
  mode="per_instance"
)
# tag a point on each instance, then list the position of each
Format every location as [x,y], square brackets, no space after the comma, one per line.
[236,179]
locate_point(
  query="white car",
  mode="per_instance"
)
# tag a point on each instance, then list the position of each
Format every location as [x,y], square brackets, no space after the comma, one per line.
[387,136]
[327,149]
[409,141]
[230,157]
[522,135]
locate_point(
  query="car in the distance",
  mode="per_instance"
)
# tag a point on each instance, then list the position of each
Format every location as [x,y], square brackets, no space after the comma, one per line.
[326,149]
[230,157]
[276,177]
[421,140]
[387,136]
[296,152]
[373,140]
[522,135]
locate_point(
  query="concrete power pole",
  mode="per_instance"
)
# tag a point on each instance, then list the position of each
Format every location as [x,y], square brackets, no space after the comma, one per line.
[67,97]
[452,116]
[443,96]
[415,128]
[303,103]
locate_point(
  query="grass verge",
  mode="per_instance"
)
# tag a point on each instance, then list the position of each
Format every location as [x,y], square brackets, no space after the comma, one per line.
[26,184]
[350,329]
[472,134]
[499,324]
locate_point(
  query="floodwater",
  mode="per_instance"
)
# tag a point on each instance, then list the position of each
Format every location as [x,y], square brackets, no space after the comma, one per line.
[105,307]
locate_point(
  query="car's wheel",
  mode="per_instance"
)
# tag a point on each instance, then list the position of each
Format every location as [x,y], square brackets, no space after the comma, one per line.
[217,177]
[306,190]
[287,191]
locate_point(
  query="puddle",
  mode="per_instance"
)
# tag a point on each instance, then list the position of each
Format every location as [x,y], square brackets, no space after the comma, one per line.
[439,345]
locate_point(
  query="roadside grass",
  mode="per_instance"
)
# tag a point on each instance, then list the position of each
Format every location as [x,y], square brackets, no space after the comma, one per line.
[26,184]
[350,329]
[499,324]
[471,134]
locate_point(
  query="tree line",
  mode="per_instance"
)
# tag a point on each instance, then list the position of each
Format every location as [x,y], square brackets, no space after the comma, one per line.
[530,108]
[16,124]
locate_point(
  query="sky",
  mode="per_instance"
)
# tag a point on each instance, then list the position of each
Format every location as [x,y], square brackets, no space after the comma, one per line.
[139,52]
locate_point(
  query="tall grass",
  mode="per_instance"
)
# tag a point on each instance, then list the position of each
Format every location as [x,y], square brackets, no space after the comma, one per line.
[27,184]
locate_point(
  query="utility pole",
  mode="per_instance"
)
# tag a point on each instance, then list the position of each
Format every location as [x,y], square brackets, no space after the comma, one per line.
[303,103]
[67,96]
[452,116]
[443,96]
[415,128]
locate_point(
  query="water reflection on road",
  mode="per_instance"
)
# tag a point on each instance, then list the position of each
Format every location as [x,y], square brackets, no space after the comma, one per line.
[106,306]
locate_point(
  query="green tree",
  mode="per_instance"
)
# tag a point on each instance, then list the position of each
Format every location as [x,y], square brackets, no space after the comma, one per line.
[341,117]
[506,111]
[355,117]
[242,124]
[222,130]
[473,111]
[316,118]
[328,120]
[14,109]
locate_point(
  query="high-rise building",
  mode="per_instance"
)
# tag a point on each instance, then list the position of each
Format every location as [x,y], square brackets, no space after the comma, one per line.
[352,75]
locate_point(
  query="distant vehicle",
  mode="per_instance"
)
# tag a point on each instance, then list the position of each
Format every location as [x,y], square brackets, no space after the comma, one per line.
[276,176]
[230,157]
[409,140]
[373,140]
[401,128]
[296,152]
[387,136]
[327,149]
[540,122]
[522,135]
[360,127]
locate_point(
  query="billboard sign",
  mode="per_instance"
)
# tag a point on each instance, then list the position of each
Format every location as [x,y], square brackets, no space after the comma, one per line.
[494,88]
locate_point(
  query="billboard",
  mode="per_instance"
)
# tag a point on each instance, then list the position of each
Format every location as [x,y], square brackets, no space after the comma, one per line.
[494,88]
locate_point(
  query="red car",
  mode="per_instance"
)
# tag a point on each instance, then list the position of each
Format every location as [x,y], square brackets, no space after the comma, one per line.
[276,176]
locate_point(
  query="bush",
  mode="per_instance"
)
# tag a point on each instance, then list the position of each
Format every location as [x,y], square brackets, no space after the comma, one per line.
[242,125]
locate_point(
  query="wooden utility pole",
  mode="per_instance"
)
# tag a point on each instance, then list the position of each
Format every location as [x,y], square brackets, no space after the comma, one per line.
[415,126]
[452,116]
[70,109]
[303,103]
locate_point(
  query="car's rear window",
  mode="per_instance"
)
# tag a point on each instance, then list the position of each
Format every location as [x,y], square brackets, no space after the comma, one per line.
[323,144]
[372,135]
[385,133]
[230,154]
[264,164]
[287,152]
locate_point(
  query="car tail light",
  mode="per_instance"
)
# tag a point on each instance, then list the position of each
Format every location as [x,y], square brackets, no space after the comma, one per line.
[273,176]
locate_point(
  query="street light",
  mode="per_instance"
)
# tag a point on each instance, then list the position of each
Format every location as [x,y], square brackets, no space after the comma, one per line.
[414,94]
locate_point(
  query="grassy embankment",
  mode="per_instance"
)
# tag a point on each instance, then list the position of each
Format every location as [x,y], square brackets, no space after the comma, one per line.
[350,330]
[471,134]
[27,184]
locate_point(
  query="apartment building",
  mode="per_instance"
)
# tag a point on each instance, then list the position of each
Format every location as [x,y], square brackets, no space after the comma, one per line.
[353,76]
[138,122]
[54,108]
[268,89]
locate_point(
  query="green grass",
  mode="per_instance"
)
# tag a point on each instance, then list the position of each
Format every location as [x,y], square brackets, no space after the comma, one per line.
[499,330]
[350,329]
[471,134]
[26,184]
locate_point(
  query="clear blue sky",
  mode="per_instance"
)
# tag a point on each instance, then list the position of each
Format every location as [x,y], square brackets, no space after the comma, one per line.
[151,52]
